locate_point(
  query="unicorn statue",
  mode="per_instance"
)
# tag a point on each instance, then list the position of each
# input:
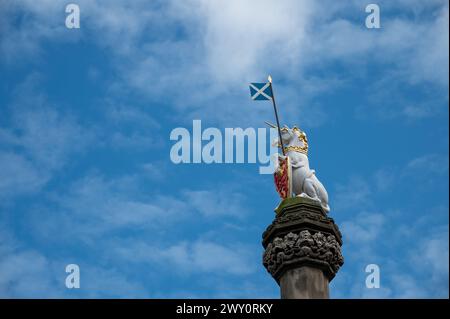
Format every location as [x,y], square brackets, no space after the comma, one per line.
[293,177]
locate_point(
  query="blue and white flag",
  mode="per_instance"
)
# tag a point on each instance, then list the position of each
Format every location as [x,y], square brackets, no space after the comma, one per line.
[260,91]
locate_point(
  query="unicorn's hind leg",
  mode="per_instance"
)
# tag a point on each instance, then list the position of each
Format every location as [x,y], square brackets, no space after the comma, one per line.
[310,190]
[323,195]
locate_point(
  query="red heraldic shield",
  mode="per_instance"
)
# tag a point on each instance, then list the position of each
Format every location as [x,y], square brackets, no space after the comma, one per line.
[283,177]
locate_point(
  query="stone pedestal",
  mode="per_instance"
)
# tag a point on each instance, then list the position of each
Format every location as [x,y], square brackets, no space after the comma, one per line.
[302,249]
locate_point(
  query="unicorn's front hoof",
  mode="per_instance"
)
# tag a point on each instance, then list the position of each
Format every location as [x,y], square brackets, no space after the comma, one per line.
[304,195]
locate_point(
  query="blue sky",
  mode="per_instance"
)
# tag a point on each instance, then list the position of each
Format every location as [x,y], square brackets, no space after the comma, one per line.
[86,114]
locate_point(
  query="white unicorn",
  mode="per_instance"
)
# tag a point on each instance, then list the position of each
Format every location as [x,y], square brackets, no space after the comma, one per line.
[304,180]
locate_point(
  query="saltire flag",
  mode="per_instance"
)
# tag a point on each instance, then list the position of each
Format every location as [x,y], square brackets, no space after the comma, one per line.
[260,91]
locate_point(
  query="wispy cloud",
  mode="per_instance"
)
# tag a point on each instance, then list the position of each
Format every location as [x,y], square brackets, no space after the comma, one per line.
[173,61]
[208,203]
[165,44]
[19,176]
[434,164]
[364,228]
[24,272]
[198,256]
[356,193]
[411,248]
[38,139]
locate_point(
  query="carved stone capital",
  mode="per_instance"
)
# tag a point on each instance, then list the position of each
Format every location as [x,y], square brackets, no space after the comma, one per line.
[302,235]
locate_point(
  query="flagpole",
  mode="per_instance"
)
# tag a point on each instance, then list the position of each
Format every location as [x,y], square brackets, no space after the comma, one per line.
[276,115]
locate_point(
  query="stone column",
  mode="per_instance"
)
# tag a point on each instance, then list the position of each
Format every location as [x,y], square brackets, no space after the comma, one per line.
[302,249]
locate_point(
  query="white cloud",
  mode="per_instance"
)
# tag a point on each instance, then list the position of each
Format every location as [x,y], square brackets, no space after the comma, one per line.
[428,164]
[412,251]
[209,257]
[216,203]
[38,139]
[24,273]
[410,266]
[129,115]
[363,229]
[430,63]
[192,257]
[356,193]
[220,46]
[48,136]
[19,176]
[384,179]
[94,206]
[155,171]
[239,36]
[26,24]
[226,289]
[136,141]
[219,49]
[98,282]
[432,256]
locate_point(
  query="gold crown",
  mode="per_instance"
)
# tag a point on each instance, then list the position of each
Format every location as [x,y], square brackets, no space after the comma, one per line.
[301,137]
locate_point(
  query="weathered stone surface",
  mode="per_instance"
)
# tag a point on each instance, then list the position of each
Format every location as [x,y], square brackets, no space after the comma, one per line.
[304,283]
[300,213]
[302,249]
[317,249]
